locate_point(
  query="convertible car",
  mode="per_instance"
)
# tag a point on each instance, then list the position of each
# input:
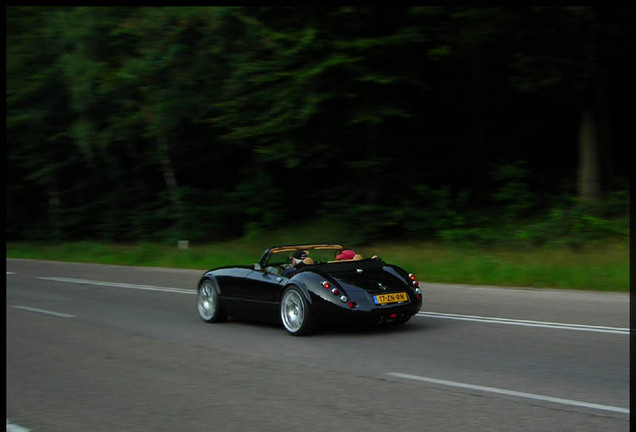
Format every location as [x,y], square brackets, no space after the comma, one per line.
[309,285]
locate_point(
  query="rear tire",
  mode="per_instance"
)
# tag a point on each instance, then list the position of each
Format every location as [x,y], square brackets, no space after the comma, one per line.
[295,313]
[209,303]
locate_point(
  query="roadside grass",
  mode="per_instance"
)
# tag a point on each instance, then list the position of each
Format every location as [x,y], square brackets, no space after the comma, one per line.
[602,266]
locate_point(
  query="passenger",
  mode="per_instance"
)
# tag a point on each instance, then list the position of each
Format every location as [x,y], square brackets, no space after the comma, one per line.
[346,255]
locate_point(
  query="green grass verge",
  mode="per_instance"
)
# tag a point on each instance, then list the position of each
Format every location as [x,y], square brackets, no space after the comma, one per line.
[601,266]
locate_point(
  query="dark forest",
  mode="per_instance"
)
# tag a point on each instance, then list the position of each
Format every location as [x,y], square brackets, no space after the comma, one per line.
[207,123]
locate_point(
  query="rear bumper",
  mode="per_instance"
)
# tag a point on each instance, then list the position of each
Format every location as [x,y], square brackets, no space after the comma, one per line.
[330,313]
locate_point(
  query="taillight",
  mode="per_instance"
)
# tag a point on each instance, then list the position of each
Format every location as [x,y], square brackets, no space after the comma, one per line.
[416,286]
[335,291]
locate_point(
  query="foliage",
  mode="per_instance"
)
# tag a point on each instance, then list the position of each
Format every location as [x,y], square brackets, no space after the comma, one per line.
[574,225]
[206,123]
[514,191]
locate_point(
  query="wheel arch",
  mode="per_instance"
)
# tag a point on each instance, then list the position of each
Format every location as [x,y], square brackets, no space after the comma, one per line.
[307,282]
[210,276]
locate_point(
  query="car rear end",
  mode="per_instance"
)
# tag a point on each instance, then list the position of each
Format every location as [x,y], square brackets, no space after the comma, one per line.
[368,291]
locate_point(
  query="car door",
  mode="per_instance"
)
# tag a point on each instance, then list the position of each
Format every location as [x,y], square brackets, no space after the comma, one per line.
[262,286]
[258,295]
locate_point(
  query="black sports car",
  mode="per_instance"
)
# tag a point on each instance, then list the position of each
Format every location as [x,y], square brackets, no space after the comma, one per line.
[318,284]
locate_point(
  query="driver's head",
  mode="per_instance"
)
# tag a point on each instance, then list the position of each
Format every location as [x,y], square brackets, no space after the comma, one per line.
[299,256]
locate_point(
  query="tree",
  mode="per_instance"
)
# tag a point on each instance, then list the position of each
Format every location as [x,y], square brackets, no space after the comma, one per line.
[37,149]
[133,123]
[571,56]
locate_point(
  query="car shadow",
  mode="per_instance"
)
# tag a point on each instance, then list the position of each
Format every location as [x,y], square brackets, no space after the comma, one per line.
[414,325]
[361,330]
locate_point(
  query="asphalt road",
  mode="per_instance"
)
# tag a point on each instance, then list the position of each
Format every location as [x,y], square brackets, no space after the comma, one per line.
[109,348]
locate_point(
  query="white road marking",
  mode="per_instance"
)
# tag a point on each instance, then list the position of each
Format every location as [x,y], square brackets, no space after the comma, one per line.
[42,311]
[12,427]
[10,272]
[527,323]
[510,393]
[121,285]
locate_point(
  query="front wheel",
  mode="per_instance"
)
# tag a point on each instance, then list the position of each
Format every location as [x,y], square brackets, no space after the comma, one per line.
[208,303]
[295,313]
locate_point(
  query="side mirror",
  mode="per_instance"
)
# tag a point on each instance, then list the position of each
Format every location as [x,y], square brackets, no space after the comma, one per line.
[257,267]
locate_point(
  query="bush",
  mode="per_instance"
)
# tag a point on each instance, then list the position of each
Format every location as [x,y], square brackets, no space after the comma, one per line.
[471,236]
[514,191]
[572,225]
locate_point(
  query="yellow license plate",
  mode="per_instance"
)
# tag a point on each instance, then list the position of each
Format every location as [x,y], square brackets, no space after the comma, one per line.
[390,298]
